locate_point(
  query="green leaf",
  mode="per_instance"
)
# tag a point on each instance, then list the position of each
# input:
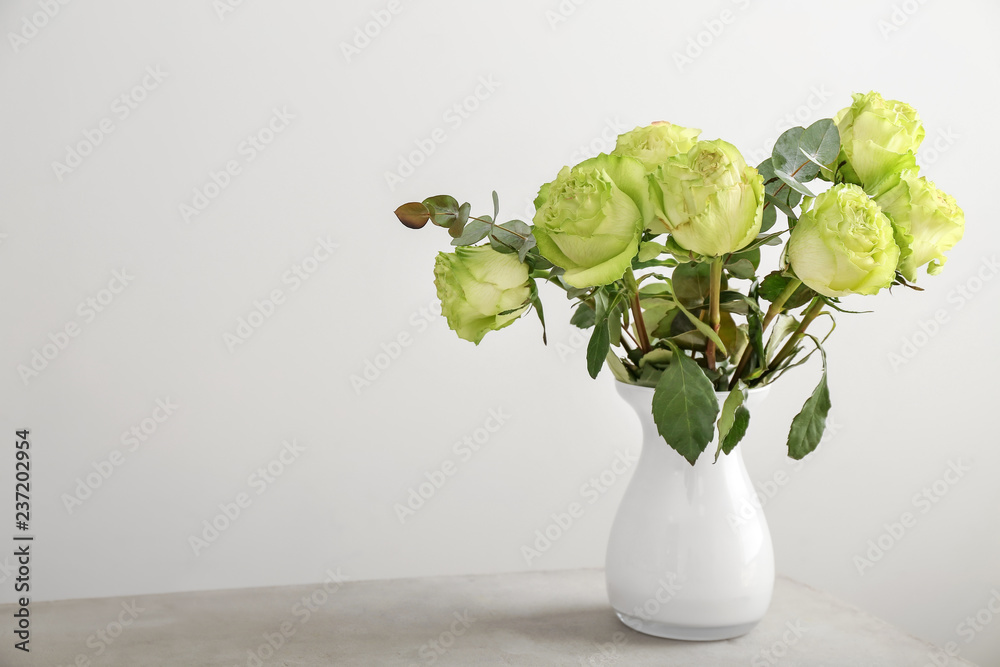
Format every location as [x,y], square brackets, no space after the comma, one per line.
[511,237]
[691,282]
[584,317]
[496,205]
[820,143]
[685,407]
[474,232]
[537,303]
[617,367]
[794,184]
[650,250]
[808,426]
[784,325]
[598,348]
[774,284]
[737,302]
[741,422]
[786,156]
[444,210]
[413,214]
[770,217]
[781,204]
[656,356]
[728,415]
[704,329]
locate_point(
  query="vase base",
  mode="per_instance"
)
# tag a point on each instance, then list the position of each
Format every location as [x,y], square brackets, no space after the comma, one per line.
[684,632]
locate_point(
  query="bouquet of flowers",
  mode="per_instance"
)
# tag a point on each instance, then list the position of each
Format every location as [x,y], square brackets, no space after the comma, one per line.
[659,246]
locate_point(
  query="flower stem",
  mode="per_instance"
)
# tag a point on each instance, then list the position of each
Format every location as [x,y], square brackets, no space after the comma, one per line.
[772,312]
[715,288]
[638,322]
[814,310]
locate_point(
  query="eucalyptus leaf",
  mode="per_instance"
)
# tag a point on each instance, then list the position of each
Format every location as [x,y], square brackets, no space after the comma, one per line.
[786,156]
[512,237]
[444,210]
[413,214]
[770,217]
[793,183]
[685,407]
[820,143]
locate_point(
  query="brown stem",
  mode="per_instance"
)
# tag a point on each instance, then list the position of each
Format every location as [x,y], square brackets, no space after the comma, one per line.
[772,312]
[714,289]
[640,324]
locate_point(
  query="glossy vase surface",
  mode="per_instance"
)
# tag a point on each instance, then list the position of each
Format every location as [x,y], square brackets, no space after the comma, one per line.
[690,554]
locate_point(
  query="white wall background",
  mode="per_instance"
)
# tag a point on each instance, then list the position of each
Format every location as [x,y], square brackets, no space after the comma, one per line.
[561,86]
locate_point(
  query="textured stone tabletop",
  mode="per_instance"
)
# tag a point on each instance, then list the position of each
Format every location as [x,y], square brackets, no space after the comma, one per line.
[555,618]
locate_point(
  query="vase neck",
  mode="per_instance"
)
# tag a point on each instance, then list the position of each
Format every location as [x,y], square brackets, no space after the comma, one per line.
[641,400]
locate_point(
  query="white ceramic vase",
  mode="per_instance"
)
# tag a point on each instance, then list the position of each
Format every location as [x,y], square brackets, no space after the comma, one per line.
[690,554]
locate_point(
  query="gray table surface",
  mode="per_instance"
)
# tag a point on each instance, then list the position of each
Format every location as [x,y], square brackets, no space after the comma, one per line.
[541,618]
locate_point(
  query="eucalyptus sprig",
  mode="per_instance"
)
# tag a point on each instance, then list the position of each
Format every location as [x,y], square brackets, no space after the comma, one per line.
[658,245]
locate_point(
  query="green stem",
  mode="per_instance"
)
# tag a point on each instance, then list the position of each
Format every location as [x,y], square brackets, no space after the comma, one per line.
[814,310]
[772,312]
[715,288]
[637,321]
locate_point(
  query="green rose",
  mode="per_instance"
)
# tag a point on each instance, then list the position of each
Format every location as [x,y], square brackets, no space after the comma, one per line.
[590,219]
[708,199]
[843,243]
[653,144]
[928,222]
[878,138]
[476,286]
